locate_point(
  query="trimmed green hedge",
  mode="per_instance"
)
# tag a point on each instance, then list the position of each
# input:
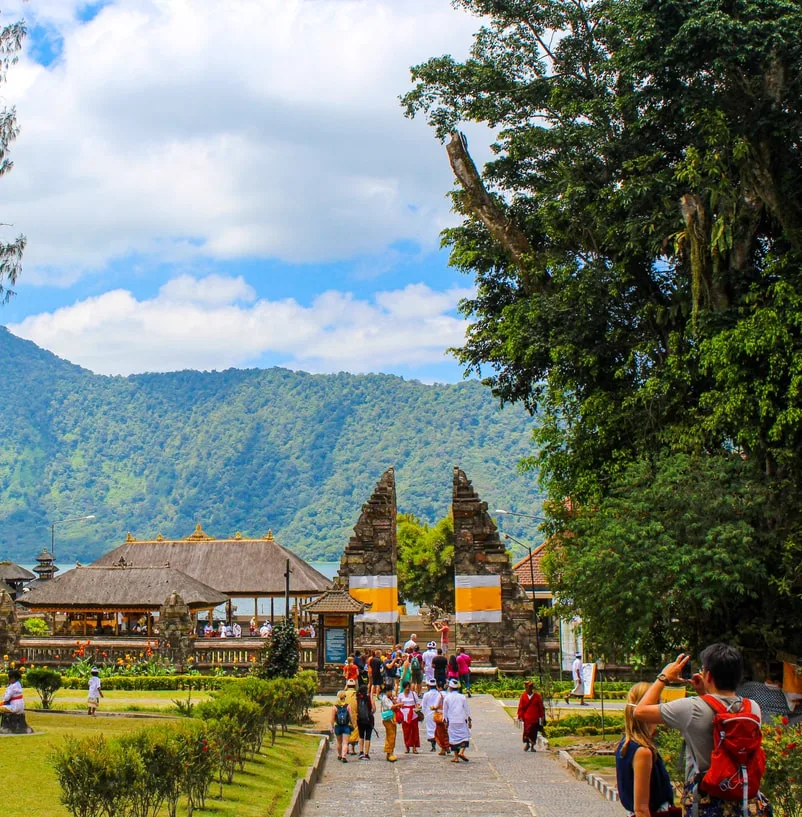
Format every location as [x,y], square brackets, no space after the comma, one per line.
[153,683]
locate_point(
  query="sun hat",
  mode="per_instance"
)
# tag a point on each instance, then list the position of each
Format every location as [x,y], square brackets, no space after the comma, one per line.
[95,671]
[431,682]
[453,684]
[350,682]
[432,645]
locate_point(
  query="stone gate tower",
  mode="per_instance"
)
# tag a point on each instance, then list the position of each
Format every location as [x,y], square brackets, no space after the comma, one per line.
[368,565]
[492,609]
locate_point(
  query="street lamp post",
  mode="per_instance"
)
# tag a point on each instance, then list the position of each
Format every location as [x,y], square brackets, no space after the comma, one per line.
[63,522]
[600,665]
[534,599]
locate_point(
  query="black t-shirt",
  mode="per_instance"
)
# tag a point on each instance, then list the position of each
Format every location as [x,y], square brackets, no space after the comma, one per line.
[376,667]
[440,665]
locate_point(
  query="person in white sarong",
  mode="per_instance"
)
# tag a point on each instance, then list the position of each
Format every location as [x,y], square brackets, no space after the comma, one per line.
[429,703]
[428,657]
[457,716]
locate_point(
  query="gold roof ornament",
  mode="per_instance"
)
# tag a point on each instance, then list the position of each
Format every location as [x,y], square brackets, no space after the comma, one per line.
[130,537]
[269,536]
[238,536]
[198,535]
[159,538]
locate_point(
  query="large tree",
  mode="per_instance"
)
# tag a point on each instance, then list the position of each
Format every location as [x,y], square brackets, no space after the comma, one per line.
[426,561]
[11,252]
[636,247]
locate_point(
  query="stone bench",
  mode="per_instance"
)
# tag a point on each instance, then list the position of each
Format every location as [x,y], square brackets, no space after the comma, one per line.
[14,724]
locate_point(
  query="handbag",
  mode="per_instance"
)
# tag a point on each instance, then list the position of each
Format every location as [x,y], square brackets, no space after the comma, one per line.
[399,718]
[438,716]
[387,714]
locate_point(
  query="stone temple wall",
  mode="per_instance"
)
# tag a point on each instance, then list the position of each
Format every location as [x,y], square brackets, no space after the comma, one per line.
[493,610]
[368,566]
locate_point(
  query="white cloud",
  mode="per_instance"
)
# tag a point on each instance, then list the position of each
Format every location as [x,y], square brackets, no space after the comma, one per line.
[185,128]
[214,323]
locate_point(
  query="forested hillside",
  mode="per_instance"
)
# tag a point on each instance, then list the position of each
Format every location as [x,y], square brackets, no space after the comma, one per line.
[240,450]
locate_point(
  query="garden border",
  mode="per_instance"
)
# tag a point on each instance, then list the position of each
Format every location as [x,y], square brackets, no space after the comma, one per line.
[306,785]
[608,791]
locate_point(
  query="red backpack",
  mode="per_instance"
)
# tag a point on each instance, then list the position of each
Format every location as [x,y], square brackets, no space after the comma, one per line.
[738,760]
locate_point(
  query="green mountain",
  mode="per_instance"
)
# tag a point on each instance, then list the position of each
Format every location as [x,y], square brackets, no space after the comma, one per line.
[239,450]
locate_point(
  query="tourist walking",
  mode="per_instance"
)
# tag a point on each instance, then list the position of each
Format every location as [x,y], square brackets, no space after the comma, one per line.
[531,714]
[440,667]
[457,717]
[579,686]
[341,725]
[410,707]
[365,720]
[464,666]
[389,707]
[375,666]
[428,657]
[416,670]
[644,786]
[95,692]
[350,699]
[350,670]
[452,673]
[431,702]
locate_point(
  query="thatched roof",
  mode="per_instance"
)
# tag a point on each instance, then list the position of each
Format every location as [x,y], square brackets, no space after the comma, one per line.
[336,601]
[238,566]
[109,588]
[9,572]
[6,588]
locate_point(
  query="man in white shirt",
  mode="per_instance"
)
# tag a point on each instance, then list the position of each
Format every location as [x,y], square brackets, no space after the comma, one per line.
[428,657]
[412,643]
[579,687]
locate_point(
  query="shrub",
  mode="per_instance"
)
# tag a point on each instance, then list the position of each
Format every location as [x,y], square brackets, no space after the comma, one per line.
[46,682]
[283,656]
[782,783]
[35,627]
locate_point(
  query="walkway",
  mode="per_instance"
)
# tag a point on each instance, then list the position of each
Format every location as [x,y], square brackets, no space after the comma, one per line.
[501,780]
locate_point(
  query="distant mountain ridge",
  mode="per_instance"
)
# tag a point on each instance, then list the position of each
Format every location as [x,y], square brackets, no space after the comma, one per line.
[243,450]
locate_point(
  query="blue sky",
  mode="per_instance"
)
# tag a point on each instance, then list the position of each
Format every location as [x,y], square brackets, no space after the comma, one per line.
[208,185]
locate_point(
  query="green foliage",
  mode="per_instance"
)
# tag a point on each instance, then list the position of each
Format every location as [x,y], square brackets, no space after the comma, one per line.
[647,160]
[35,627]
[139,773]
[11,37]
[688,524]
[426,561]
[283,655]
[782,783]
[46,682]
[237,450]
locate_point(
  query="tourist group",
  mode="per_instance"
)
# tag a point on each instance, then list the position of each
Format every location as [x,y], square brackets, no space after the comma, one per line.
[408,687]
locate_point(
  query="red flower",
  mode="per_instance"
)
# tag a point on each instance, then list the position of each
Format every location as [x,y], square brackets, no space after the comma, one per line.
[23,660]
[791,746]
[785,721]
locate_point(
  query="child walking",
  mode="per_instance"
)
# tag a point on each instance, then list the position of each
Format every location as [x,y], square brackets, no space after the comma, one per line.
[95,692]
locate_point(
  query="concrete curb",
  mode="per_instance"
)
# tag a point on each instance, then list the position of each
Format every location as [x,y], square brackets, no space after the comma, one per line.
[608,791]
[305,786]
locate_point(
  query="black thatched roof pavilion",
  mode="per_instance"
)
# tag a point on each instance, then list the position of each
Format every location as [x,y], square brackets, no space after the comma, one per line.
[117,593]
[238,567]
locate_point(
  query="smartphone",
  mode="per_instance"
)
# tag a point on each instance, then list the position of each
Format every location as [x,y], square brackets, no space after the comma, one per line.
[687,671]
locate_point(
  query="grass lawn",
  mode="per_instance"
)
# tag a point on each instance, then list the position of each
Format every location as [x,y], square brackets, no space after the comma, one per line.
[31,790]
[117,700]
[596,763]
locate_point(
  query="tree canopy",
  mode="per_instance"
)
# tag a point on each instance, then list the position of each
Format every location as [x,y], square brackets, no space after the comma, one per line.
[426,561]
[636,248]
[11,37]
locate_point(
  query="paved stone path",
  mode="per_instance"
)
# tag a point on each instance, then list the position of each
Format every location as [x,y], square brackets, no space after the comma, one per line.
[501,780]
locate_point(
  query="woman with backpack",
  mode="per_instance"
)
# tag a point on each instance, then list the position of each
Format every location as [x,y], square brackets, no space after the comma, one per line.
[644,787]
[416,670]
[364,720]
[341,725]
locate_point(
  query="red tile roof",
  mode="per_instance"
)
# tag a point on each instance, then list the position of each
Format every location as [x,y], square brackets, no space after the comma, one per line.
[523,570]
